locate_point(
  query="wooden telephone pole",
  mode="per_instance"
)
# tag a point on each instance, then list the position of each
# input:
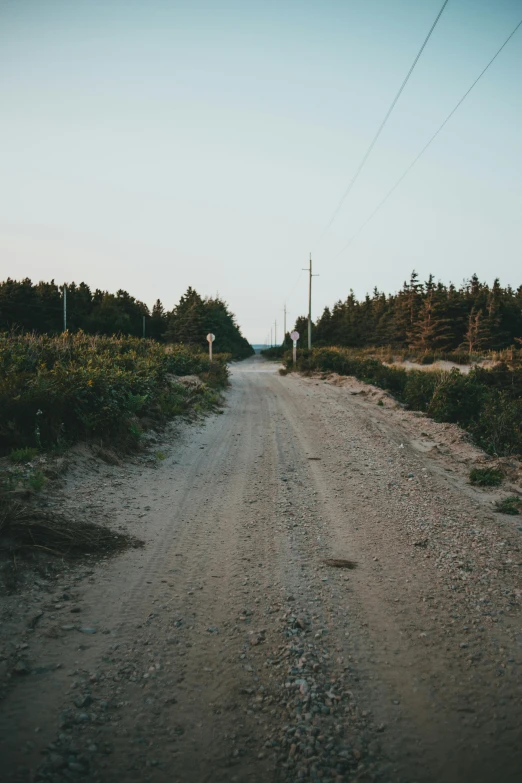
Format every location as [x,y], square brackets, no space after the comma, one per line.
[309,270]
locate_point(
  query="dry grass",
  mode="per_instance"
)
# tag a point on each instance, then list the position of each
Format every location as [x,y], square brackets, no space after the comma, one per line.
[107,455]
[22,527]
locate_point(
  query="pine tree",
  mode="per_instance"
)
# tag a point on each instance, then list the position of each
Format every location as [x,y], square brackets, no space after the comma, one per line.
[477,335]
[432,330]
[414,291]
[186,322]
[406,306]
[323,328]
[499,337]
[301,326]
[158,321]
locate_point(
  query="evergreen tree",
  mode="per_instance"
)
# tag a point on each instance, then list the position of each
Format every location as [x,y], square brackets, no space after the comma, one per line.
[499,338]
[301,326]
[49,313]
[79,306]
[193,318]
[107,317]
[431,331]
[323,328]
[477,336]
[158,322]
[220,321]
[186,322]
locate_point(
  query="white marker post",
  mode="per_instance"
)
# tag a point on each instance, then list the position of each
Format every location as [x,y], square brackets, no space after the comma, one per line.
[295,337]
[210,337]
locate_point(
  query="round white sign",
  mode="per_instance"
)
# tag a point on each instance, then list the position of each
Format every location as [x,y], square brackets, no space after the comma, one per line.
[211,337]
[294,335]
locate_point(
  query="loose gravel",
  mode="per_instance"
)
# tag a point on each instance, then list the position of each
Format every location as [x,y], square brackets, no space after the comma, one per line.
[231,648]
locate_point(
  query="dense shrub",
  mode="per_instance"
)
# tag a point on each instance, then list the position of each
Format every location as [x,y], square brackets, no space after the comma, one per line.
[486,477]
[420,388]
[510,505]
[498,429]
[486,402]
[275,352]
[457,398]
[75,386]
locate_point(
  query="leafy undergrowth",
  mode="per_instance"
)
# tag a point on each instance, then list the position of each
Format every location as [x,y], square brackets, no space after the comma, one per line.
[510,505]
[55,391]
[485,402]
[486,477]
[58,390]
[275,353]
[391,355]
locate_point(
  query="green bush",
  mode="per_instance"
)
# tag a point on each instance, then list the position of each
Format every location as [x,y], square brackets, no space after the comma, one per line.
[275,353]
[18,456]
[498,430]
[510,505]
[77,386]
[457,398]
[36,480]
[420,387]
[486,477]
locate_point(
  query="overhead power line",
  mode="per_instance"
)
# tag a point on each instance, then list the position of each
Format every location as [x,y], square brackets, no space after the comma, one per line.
[292,290]
[423,150]
[383,123]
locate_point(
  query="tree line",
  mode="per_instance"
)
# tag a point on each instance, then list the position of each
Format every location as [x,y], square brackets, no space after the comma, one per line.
[38,307]
[425,317]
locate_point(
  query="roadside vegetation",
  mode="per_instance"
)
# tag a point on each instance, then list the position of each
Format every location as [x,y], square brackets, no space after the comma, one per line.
[424,321]
[396,356]
[510,505]
[276,352]
[485,402]
[27,307]
[486,477]
[56,391]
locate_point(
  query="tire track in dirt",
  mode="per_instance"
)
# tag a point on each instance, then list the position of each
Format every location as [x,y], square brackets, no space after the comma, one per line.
[446,704]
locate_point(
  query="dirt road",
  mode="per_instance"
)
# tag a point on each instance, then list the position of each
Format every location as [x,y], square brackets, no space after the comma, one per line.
[227,650]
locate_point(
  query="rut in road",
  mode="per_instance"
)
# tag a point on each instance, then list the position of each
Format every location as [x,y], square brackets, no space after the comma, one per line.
[227,650]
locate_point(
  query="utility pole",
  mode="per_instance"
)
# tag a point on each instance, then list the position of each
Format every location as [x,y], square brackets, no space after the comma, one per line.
[310,306]
[284,333]
[275,332]
[143,327]
[309,270]
[271,343]
[64,308]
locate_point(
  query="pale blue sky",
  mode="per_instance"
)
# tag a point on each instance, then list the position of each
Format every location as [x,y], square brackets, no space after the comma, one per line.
[155,145]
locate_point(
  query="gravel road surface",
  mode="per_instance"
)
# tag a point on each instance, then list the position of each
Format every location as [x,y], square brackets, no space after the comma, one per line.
[228,649]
